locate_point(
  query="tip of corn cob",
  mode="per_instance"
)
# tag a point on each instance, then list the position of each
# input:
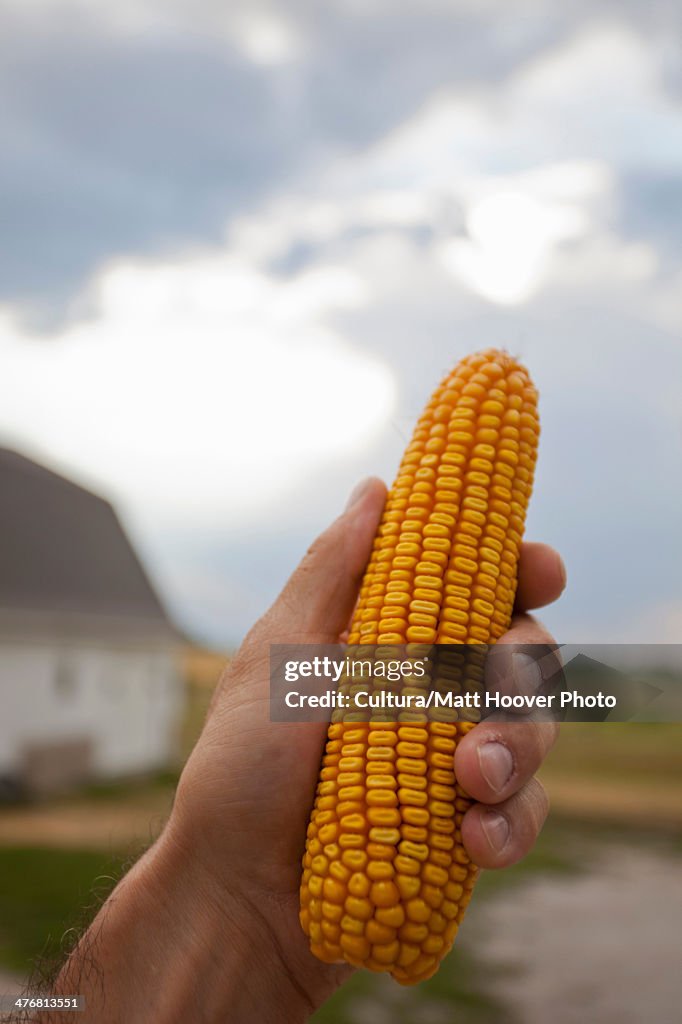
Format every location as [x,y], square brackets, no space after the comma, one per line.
[386,879]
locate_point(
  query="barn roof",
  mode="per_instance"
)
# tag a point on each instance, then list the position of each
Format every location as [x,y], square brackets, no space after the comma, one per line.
[64,551]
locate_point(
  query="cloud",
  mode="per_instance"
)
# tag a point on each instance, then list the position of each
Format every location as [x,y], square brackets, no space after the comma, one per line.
[502,184]
[604,92]
[650,209]
[113,145]
[511,235]
[145,127]
[199,390]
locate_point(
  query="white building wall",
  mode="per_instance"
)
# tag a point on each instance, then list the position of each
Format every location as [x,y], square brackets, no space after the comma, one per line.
[126,701]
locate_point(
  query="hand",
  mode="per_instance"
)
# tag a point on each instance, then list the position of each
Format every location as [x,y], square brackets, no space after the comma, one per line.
[248,788]
[213,907]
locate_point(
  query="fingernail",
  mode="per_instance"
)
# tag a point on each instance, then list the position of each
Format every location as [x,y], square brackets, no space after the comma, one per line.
[496,764]
[358,492]
[562,571]
[527,674]
[496,829]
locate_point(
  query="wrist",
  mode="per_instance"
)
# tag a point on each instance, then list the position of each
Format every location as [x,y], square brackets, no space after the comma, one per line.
[171,945]
[252,975]
[281,980]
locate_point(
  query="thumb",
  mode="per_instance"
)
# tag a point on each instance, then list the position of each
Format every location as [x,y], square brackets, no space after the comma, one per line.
[318,599]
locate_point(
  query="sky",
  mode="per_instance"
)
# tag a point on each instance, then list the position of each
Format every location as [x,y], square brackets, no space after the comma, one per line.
[240,245]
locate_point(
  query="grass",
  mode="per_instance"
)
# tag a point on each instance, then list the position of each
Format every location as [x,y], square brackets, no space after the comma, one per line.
[42,893]
[124,789]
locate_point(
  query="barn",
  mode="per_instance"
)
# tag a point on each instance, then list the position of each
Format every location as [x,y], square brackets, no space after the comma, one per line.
[90,687]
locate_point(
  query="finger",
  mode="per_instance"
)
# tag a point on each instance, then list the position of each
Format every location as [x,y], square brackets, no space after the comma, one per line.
[316,603]
[525,664]
[499,836]
[542,576]
[498,757]
[526,630]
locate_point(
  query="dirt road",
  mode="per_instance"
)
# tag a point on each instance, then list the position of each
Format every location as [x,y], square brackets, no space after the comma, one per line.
[602,947]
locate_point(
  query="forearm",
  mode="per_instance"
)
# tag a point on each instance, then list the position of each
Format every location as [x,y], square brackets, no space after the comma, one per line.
[168,947]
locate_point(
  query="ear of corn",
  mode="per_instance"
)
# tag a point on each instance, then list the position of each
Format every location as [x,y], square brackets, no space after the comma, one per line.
[386,879]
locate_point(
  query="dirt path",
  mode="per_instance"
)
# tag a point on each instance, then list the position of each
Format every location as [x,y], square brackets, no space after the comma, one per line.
[87,824]
[602,947]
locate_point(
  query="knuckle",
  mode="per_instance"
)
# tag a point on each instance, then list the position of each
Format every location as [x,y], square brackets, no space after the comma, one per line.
[524,740]
[534,745]
[536,741]
[537,803]
[552,729]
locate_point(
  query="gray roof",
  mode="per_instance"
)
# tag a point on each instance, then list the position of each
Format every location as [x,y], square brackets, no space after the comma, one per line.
[64,551]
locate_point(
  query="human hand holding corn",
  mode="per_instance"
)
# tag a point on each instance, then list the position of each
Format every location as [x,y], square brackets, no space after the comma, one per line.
[205,926]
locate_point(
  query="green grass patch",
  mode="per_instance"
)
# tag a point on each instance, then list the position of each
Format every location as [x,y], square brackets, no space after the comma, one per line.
[43,892]
[123,789]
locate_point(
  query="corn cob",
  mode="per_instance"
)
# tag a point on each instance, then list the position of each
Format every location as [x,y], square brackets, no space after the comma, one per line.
[386,879]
